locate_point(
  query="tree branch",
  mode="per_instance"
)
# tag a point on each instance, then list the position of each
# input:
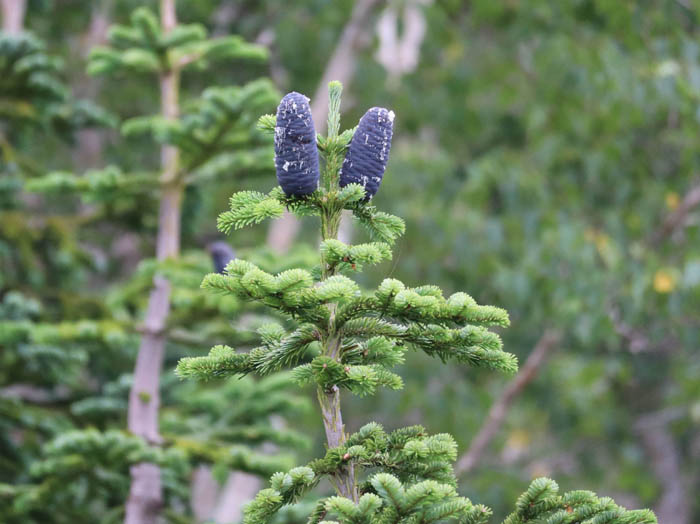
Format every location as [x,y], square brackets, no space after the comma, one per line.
[638,341]
[678,217]
[500,408]
[35,395]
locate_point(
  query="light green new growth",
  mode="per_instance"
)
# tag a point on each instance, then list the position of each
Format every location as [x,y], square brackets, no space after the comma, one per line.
[143,47]
[542,503]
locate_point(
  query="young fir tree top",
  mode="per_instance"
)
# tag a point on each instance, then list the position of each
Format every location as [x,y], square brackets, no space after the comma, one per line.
[353,339]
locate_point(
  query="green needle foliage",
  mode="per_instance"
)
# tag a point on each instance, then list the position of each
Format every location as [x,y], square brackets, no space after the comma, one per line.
[65,362]
[369,331]
[80,468]
[216,134]
[35,103]
[47,340]
[32,92]
[144,47]
[344,338]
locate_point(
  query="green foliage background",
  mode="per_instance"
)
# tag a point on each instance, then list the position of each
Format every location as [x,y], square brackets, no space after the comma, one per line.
[539,146]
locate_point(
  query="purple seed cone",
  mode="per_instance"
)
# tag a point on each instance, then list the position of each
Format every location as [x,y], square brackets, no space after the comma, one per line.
[368,153]
[296,156]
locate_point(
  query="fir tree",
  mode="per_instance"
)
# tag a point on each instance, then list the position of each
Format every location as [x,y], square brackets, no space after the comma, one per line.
[196,145]
[64,371]
[344,338]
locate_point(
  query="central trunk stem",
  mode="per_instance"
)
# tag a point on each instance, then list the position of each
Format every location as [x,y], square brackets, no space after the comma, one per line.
[329,400]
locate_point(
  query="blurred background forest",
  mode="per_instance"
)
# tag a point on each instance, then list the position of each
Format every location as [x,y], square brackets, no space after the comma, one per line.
[545,158]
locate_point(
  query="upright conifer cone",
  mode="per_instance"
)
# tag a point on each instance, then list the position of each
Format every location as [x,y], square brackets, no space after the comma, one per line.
[368,154]
[296,156]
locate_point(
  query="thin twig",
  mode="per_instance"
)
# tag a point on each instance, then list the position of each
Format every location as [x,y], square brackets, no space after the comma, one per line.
[500,408]
[678,217]
[638,340]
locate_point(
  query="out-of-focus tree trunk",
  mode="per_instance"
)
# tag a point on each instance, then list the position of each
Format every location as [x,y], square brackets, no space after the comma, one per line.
[240,488]
[211,504]
[673,506]
[13,12]
[203,493]
[343,61]
[400,53]
[341,67]
[223,16]
[146,497]
[89,142]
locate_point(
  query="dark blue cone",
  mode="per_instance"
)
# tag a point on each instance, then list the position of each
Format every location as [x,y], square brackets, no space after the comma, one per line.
[296,156]
[368,153]
[221,254]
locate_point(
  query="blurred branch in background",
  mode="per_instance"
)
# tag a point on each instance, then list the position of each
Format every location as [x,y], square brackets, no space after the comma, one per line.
[673,506]
[677,218]
[31,393]
[638,341]
[499,409]
[340,67]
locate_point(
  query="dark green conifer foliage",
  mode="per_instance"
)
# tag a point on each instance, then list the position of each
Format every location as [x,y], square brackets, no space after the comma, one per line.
[42,357]
[35,103]
[65,373]
[345,338]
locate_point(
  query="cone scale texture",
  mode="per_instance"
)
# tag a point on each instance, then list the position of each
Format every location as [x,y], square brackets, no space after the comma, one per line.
[296,156]
[368,153]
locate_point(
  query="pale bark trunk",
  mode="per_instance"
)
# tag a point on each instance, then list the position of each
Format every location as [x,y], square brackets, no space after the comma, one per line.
[88,152]
[13,12]
[240,488]
[203,492]
[282,232]
[400,53]
[210,503]
[673,506]
[146,495]
[332,416]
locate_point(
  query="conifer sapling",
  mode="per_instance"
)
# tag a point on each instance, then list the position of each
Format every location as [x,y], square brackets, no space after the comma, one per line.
[344,338]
